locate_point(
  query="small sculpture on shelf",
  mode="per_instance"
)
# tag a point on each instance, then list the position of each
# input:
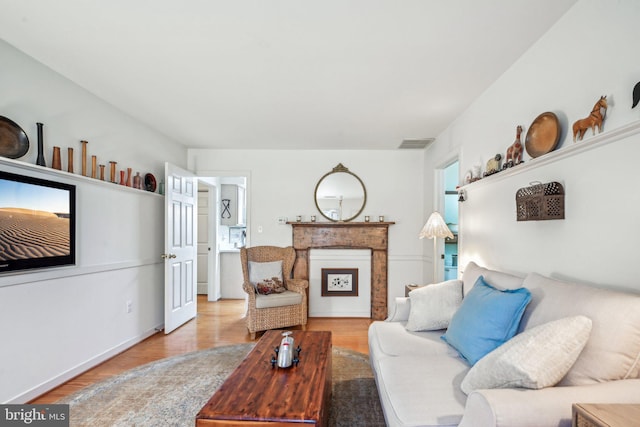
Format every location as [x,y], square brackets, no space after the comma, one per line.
[595,119]
[493,165]
[514,152]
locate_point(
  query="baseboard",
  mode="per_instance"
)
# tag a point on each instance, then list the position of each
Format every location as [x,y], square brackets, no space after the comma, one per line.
[83,367]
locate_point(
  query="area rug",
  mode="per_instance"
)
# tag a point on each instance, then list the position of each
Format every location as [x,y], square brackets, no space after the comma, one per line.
[171,391]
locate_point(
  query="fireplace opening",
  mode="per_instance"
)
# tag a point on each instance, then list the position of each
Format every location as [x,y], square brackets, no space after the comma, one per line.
[340,283]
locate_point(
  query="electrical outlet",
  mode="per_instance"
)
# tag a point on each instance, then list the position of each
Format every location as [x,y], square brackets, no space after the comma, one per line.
[129,306]
[259,229]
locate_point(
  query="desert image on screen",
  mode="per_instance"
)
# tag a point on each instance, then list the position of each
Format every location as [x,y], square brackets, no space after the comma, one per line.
[34,221]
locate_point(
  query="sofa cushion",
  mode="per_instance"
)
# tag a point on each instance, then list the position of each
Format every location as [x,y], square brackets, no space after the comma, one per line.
[613,349]
[421,390]
[487,318]
[433,306]
[497,279]
[536,358]
[392,339]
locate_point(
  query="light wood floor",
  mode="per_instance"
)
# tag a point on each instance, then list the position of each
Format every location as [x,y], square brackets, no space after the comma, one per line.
[218,323]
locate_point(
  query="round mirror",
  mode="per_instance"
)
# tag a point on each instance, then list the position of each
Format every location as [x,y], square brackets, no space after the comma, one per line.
[340,195]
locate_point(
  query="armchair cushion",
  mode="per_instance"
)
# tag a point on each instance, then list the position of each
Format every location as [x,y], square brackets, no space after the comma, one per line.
[270,286]
[278,300]
[262,271]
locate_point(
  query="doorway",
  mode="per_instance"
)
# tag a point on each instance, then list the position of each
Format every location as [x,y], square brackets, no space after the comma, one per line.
[222,231]
[451,218]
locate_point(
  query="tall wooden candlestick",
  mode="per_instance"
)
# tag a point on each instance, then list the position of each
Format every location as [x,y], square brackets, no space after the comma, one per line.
[113,171]
[84,157]
[94,160]
[70,162]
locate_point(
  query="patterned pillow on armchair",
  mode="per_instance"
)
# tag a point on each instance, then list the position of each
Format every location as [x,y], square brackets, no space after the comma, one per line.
[270,286]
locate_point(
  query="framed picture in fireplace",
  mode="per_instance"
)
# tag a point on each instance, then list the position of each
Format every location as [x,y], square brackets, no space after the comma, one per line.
[339,282]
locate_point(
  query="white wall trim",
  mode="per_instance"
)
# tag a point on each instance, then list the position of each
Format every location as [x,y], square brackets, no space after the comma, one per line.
[82,367]
[31,276]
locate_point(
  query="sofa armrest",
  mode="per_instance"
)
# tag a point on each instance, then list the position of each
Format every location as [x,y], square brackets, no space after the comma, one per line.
[546,407]
[401,309]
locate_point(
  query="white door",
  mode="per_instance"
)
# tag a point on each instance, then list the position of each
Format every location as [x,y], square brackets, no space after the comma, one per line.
[180,248]
[214,254]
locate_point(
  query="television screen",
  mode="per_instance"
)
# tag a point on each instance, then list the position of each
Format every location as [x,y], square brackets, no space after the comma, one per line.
[37,223]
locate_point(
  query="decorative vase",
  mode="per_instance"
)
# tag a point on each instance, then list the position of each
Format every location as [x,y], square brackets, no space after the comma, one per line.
[84,157]
[102,172]
[137,181]
[129,177]
[56,162]
[122,179]
[40,160]
[70,161]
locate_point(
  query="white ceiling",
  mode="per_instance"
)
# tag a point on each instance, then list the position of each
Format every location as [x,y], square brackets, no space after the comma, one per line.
[288,74]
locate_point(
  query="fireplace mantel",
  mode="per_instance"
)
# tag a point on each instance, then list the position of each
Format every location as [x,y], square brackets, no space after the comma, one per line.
[347,235]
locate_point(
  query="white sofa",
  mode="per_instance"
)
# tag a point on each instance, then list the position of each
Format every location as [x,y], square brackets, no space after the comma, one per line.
[418,375]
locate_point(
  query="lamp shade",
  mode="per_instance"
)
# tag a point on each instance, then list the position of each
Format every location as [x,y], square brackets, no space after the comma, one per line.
[435,227]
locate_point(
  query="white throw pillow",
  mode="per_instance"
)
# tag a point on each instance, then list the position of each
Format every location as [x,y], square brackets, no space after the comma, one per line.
[433,306]
[538,357]
[261,271]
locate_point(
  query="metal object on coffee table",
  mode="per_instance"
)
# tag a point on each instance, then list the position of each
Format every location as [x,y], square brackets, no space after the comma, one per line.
[285,356]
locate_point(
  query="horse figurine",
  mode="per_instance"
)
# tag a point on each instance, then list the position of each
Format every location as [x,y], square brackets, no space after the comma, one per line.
[514,152]
[595,119]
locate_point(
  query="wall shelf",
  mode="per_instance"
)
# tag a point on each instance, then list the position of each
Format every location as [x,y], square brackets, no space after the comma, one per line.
[592,142]
[77,177]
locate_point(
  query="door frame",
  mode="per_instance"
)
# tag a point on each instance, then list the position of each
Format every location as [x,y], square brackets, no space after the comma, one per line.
[438,205]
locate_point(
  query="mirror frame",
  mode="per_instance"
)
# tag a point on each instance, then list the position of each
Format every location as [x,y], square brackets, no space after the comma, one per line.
[340,169]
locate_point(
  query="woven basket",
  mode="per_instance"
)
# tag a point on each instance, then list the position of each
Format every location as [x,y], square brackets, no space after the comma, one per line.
[540,202]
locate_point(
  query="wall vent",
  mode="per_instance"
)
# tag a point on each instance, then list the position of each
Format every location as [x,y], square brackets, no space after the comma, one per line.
[416,144]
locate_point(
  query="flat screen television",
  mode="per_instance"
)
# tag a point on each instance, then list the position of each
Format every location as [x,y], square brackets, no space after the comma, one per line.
[37,223]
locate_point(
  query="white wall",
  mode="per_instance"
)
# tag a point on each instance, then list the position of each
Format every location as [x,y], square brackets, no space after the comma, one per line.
[59,322]
[588,53]
[282,183]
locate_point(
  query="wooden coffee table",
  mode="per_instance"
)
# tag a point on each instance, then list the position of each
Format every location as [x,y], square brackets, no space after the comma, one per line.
[256,394]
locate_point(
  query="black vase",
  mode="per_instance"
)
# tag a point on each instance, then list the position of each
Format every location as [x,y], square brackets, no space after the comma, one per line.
[40,160]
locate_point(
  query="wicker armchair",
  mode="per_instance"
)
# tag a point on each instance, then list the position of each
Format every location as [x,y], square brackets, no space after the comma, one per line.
[265,311]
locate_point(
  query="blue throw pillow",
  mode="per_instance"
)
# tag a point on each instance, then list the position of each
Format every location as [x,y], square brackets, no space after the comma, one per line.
[487,318]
